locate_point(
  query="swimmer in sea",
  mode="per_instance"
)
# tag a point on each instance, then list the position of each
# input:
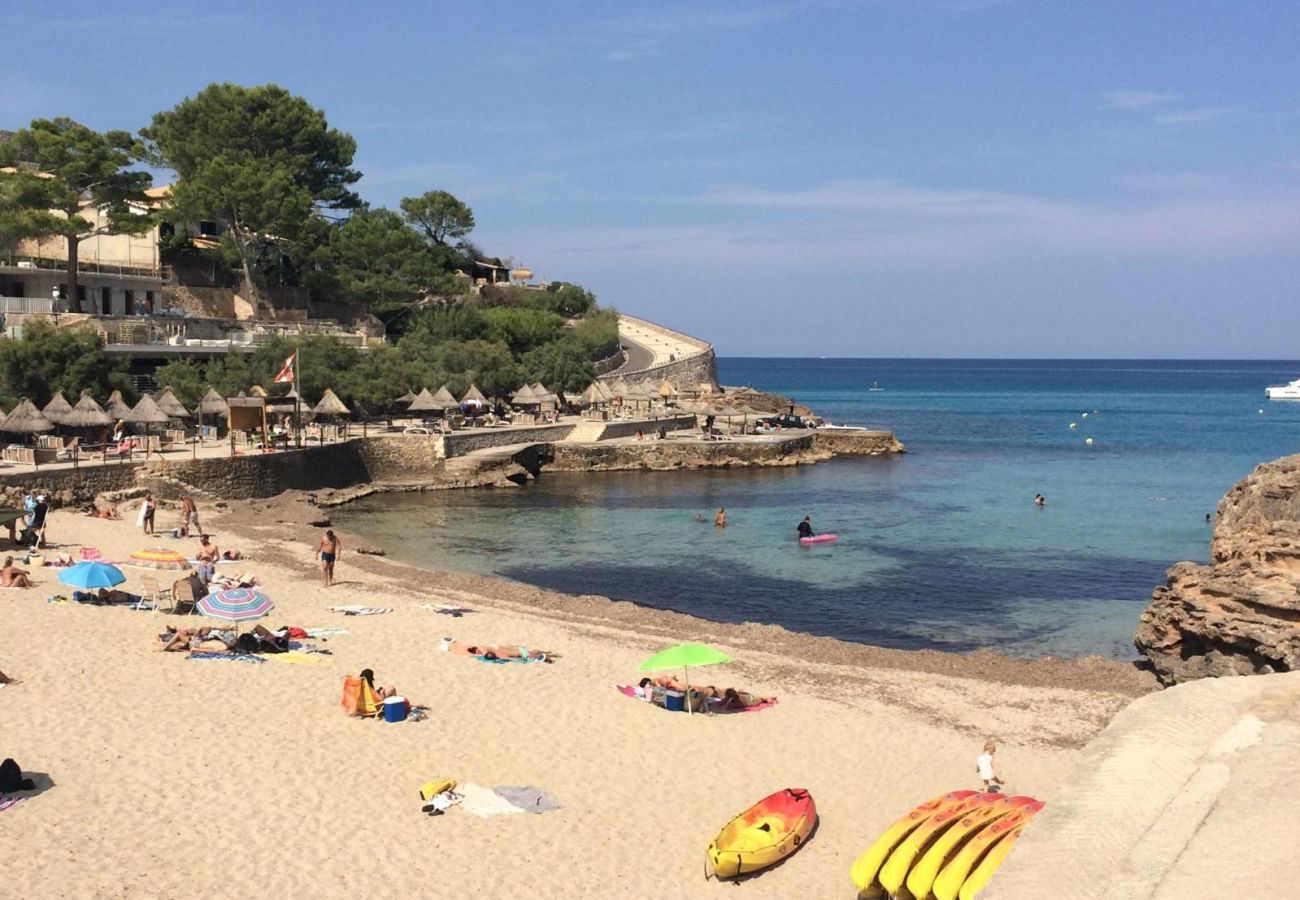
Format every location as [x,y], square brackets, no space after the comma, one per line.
[699,517]
[1040,500]
[720,519]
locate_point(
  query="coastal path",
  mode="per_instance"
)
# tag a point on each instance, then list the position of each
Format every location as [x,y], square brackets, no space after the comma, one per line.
[648,345]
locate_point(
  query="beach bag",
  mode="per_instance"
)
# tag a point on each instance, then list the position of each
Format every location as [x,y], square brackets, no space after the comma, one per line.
[11,778]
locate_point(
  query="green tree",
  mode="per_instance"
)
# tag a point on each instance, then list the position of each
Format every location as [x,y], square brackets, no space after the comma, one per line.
[460,322]
[569,300]
[73,170]
[379,260]
[260,159]
[184,378]
[47,359]
[486,363]
[596,334]
[439,216]
[560,366]
[523,329]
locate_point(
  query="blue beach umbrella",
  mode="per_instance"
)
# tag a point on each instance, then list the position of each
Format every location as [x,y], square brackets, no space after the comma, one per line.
[92,575]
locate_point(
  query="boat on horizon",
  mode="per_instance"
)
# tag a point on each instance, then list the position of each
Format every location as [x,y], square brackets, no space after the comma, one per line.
[875,386]
[1284,391]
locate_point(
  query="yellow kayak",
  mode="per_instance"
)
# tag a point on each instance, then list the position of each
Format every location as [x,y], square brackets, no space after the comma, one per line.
[921,878]
[992,860]
[947,886]
[764,834]
[867,866]
[894,871]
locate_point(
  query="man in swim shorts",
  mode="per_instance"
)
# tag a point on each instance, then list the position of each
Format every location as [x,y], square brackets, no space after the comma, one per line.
[328,551]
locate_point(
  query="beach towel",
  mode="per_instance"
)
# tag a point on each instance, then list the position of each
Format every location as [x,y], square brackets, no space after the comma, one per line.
[513,659]
[527,798]
[629,690]
[10,802]
[454,611]
[484,802]
[325,632]
[233,657]
[91,553]
[357,610]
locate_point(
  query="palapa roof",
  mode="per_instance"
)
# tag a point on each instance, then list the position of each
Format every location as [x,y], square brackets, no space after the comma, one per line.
[57,409]
[116,406]
[147,412]
[638,392]
[87,414]
[426,402]
[667,390]
[474,394]
[405,398]
[258,391]
[168,403]
[525,397]
[25,418]
[330,405]
[213,404]
[593,395]
[445,397]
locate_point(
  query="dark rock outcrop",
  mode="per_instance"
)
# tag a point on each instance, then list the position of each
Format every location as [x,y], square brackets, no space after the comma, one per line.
[1239,615]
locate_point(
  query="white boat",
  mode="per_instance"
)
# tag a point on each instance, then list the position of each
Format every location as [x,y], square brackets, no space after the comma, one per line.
[1284,391]
[875,386]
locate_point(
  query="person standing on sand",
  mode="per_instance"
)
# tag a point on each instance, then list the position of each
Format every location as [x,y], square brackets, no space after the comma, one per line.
[40,514]
[189,516]
[989,771]
[328,551]
[147,509]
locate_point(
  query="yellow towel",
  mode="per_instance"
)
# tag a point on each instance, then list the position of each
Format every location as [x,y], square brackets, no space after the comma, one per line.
[296,657]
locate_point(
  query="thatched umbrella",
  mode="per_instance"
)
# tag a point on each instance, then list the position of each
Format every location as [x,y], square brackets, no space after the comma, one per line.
[212,404]
[146,413]
[405,398]
[425,402]
[445,397]
[168,403]
[258,391]
[116,407]
[474,395]
[57,409]
[330,405]
[25,418]
[525,397]
[593,395]
[87,414]
[666,390]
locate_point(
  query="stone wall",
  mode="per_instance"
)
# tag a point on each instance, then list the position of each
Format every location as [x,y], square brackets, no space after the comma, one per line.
[243,477]
[458,444]
[401,457]
[70,487]
[619,429]
[685,453]
[857,442]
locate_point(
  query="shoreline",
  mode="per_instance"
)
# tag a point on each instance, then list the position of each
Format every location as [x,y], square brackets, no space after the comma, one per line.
[296,511]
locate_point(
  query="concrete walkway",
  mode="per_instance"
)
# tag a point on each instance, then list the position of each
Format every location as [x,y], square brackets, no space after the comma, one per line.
[1189,793]
[650,346]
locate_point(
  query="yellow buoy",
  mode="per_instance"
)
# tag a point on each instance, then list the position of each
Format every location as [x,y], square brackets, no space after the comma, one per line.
[1088,441]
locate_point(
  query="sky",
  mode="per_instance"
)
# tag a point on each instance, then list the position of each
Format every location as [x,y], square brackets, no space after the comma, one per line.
[881,178]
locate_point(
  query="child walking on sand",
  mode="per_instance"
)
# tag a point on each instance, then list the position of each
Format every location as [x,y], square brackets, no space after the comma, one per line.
[989,771]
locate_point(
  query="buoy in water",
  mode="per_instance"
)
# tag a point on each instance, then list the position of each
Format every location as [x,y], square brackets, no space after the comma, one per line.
[1074,424]
[1088,441]
[1261,412]
[1085,415]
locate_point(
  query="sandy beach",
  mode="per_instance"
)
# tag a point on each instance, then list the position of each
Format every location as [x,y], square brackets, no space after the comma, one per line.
[167,777]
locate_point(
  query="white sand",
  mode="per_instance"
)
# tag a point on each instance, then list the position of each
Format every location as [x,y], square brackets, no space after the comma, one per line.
[174,777]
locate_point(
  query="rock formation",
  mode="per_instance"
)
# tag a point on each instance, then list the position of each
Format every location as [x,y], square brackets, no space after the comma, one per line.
[1239,615]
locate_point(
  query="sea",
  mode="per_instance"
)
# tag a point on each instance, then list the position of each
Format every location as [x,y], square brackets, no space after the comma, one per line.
[942,547]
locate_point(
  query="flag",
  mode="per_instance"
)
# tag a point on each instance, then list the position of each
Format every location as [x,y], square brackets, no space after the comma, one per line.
[286,371]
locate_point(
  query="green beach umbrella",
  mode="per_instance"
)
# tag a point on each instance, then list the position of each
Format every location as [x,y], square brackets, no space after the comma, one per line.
[683,656]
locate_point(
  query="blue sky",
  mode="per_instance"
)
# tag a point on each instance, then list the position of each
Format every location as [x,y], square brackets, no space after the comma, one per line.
[873,178]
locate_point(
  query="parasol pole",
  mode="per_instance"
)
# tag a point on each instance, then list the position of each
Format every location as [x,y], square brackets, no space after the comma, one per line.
[297,403]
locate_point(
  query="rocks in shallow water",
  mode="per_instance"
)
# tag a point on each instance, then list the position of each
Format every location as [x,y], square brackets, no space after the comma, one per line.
[1239,615]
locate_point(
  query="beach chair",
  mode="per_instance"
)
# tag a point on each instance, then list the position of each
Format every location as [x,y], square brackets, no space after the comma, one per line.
[155,593]
[185,595]
[360,699]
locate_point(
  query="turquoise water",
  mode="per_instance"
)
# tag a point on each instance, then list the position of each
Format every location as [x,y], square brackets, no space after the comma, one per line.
[942,547]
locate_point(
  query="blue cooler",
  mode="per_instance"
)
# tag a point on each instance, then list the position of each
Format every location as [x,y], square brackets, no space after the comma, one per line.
[395,709]
[675,701]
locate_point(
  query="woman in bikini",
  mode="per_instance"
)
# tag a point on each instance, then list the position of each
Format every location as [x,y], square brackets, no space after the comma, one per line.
[498,651]
[13,577]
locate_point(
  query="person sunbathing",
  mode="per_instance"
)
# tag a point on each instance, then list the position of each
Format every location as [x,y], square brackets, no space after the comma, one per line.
[497,651]
[733,699]
[247,580]
[216,640]
[13,577]
[263,640]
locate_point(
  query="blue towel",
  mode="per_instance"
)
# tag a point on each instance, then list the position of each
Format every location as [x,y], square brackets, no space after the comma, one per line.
[212,654]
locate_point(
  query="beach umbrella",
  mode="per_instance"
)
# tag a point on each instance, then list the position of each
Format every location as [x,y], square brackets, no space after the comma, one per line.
[426,402]
[146,412]
[405,398]
[525,397]
[57,409]
[474,395]
[666,390]
[92,575]
[330,405]
[213,404]
[159,558]
[116,406]
[25,418]
[683,656]
[236,605]
[87,414]
[593,396]
[168,403]
[444,397]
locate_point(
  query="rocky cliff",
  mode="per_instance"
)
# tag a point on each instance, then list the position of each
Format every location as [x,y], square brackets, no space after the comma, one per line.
[1239,615]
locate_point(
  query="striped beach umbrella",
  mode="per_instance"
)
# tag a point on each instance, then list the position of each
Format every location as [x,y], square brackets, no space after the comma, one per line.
[236,605]
[91,575]
[158,558]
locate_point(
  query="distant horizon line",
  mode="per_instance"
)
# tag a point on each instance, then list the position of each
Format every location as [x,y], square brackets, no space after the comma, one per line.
[1241,359]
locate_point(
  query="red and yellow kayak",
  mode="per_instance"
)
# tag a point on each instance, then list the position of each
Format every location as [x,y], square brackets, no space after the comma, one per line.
[867,866]
[764,834]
